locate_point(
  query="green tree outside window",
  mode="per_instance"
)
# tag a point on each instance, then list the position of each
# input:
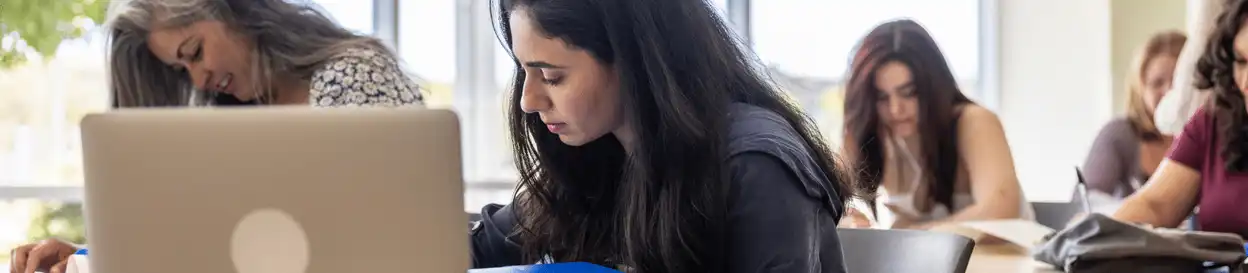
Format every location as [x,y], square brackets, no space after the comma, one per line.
[37,28]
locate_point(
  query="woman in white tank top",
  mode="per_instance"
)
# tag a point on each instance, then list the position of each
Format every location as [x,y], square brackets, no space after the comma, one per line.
[933,154]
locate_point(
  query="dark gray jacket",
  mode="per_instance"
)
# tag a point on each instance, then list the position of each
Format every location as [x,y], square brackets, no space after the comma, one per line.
[782,210]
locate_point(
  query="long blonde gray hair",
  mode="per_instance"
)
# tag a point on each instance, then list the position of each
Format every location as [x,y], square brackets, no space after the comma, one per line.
[1166,43]
[290,40]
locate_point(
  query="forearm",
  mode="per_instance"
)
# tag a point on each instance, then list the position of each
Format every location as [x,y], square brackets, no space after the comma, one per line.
[1141,210]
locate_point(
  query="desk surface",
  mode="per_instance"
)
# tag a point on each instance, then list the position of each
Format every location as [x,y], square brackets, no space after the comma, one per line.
[1001,258]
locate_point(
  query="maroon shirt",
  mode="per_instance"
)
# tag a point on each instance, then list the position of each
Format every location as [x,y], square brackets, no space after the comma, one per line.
[1221,192]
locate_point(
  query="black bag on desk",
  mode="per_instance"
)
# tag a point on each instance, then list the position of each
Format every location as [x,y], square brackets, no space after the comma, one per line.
[1101,244]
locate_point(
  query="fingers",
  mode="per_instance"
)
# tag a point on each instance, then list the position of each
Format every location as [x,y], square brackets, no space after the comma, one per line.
[33,259]
[60,267]
[18,262]
[42,255]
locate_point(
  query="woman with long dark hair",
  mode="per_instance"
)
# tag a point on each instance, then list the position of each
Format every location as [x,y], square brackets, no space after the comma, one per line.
[646,140]
[938,156]
[1206,165]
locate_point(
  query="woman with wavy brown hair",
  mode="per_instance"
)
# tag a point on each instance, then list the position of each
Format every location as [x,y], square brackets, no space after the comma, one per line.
[1128,150]
[910,131]
[1206,165]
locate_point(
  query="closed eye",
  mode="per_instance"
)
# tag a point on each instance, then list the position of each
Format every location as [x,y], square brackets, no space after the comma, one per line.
[199,53]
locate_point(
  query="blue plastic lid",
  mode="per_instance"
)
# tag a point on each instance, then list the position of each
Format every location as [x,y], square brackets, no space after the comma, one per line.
[577,267]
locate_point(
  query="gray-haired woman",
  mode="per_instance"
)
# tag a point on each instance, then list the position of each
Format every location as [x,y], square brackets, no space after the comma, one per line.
[213,52]
[195,52]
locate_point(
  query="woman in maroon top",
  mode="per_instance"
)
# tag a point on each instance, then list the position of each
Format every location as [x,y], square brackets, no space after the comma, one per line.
[1206,166]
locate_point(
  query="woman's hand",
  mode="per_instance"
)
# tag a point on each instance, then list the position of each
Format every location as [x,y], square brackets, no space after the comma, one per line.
[48,256]
[854,219]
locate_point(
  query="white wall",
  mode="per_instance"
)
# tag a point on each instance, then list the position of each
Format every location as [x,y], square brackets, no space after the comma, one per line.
[1132,23]
[1054,87]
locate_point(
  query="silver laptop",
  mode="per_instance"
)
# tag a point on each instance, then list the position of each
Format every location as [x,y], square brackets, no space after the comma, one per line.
[274,190]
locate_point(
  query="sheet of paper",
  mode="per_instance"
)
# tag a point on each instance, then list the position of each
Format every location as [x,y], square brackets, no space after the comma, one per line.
[1103,203]
[78,264]
[1023,233]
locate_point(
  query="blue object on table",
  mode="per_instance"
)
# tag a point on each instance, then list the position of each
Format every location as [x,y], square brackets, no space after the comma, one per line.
[81,252]
[548,268]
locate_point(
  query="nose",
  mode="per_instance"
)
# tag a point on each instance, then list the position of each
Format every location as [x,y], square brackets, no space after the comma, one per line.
[1241,78]
[533,98]
[895,107]
[199,76]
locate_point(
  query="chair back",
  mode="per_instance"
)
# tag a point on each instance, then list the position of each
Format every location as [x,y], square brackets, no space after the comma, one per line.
[880,251]
[1055,214]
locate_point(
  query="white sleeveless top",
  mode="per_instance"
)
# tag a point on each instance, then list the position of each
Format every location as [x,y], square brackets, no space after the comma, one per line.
[903,204]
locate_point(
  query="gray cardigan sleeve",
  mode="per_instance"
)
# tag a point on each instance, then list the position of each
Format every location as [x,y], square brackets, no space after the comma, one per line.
[1109,165]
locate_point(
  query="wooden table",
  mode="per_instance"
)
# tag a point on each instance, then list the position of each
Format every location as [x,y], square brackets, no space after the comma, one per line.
[1001,258]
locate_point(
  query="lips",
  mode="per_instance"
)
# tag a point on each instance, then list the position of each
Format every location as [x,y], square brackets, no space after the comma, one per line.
[219,84]
[224,83]
[556,127]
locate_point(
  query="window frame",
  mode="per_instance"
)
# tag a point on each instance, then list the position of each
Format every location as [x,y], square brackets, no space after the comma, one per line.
[475,81]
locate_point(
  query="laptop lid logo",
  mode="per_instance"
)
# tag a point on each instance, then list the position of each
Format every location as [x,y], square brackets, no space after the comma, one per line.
[269,241]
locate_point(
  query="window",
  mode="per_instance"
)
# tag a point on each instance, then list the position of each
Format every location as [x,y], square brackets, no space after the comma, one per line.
[40,162]
[355,15]
[811,62]
[427,46]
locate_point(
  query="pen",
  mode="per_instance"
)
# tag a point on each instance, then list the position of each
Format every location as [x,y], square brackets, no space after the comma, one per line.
[1082,187]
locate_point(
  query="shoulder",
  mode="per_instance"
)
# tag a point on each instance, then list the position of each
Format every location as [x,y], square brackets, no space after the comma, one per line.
[760,176]
[975,116]
[763,147]
[975,122]
[363,77]
[1119,129]
[1202,124]
[1204,116]
[755,129]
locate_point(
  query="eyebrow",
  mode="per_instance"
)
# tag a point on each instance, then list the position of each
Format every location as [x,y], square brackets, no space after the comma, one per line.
[909,84]
[541,65]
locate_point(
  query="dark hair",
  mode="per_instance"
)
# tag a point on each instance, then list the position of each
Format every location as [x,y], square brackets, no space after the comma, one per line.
[662,209]
[1215,71]
[937,91]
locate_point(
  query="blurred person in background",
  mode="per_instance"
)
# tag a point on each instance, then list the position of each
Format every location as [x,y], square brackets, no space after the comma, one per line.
[1208,163]
[1128,149]
[910,130]
[197,52]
